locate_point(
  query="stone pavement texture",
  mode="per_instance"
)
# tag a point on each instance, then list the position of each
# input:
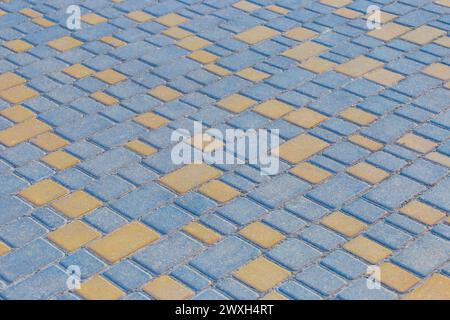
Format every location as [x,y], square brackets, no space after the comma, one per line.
[86,177]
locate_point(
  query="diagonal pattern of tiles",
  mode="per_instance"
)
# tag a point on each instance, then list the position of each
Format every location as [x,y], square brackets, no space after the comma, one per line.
[86,177]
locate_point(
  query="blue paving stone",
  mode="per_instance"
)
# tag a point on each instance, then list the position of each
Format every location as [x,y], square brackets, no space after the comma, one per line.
[105,220]
[364,210]
[141,201]
[39,286]
[87,263]
[127,275]
[294,254]
[344,264]
[388,129]
[236,290]
[195,203]
[388,235]
[321,280]
[267,193]
[109,187]
[284,221]
[20,232]
[224,257]
[405,223]
[438,195]
[12,208]
[423,255]
[166,219]
[337,190]
[306,209]
[241,211]
[27,259]
[359,290]
[425,172]
[191,277]
[49,218]
[297,291]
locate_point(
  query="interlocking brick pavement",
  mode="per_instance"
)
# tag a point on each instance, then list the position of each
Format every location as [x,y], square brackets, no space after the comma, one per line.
[87,178]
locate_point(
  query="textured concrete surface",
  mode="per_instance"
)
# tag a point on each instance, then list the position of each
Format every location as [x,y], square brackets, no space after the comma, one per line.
[87,182]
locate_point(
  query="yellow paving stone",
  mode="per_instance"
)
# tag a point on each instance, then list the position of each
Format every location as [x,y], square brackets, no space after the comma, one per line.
[151,120]
[177,33]
[336,3]
[396,278]
[277,9]
[318,65]
[78,71]
[301,148]
[216,69]
[423,35]
[219,191]
[202,233]
[98,288]
[388,31]
[104,98]
[171,20]
[273,109]
[246,6]
[305,50]
[367,249]
[4,249]
[60,160]
[262,274]
[65,43]
[274,295]
[252,74]
[93,18]
[365,142]
[193,43]
[305,117]
[343,224]
[166,288]
[123,241]
[190,176]
[205,142]
[236,103]
[439,158]
[76,204]
[358,116]
[261,234]
[300,34]
[164,93]
[438,70]
[9,80]
[368,172]
[17,45]
[417,143]
[348,13]
[256,34]
[43,192]
[2,13]
[17,113]
[384,77]
[30,13]
[110,76]
[22,132]
[443,41]
[437,287]
[43,22]
[72,236]
[116,43]
[18,94]
[140,147]
[310,173]
[139,16]
[358,66]
[422,212]
[203,56]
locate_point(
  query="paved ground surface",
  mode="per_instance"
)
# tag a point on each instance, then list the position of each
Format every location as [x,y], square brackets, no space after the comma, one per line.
[86,177]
